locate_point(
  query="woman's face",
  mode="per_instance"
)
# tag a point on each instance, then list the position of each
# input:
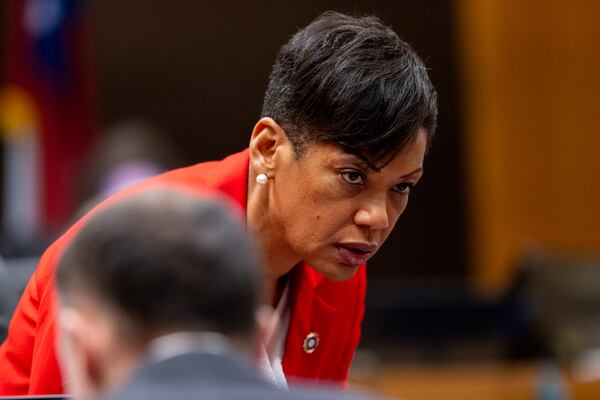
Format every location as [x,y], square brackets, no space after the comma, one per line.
[335,213]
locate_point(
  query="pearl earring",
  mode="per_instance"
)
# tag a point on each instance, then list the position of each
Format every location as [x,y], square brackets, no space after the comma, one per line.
[261,179]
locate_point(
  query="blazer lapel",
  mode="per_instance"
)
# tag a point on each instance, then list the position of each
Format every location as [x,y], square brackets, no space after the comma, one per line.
[312,330]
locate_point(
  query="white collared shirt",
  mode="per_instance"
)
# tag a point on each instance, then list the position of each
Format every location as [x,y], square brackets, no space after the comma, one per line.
[176,344]
[270,363]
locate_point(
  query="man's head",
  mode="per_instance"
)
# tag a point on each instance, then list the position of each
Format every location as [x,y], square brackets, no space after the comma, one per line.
[352,82]
[155,263]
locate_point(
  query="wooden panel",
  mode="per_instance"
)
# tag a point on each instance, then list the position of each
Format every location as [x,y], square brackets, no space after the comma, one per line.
[530,84]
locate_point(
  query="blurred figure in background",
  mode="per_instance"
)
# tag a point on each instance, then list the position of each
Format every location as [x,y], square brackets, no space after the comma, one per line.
[158,299]
[127,152]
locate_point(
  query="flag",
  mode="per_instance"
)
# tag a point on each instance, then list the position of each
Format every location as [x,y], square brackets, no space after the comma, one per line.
[47,113]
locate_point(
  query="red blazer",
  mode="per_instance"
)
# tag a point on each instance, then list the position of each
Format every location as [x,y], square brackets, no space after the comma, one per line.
[332,310]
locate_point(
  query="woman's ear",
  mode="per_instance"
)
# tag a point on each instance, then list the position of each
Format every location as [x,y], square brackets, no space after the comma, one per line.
[266,137]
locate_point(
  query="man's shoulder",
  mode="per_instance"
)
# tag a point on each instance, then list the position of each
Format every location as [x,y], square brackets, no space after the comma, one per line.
[199,390]
[233,389]
[193,376]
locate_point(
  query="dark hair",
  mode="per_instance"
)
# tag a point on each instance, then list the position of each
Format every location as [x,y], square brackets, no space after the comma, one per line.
[166,261]
[353,82]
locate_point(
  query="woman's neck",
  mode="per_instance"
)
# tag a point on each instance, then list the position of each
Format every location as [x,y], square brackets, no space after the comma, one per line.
[277,256]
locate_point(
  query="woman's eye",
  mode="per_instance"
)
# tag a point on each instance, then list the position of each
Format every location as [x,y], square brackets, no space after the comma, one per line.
[353,177]
[404,188]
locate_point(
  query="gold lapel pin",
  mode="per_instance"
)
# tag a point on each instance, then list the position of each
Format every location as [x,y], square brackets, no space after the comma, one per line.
[311,341]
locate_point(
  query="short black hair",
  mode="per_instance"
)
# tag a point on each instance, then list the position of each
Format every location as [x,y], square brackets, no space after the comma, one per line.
[166,261]
[353,82]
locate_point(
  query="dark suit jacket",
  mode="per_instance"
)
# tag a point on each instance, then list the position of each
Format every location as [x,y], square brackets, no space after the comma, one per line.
[207,376]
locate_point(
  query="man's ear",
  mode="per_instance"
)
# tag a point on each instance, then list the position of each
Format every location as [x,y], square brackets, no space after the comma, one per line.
[82,348]
[266,138]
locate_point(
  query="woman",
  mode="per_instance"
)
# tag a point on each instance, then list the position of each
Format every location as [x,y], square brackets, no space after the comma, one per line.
[348,115]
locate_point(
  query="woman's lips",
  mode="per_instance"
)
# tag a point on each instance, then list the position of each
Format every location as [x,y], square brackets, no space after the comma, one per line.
[355,254]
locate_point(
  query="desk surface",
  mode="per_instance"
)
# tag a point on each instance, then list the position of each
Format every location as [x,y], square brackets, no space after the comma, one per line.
[465,381]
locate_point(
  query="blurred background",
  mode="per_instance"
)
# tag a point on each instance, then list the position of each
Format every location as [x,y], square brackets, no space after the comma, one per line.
[489,286]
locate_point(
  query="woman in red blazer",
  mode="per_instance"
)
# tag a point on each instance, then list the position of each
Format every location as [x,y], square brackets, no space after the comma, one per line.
[348,115]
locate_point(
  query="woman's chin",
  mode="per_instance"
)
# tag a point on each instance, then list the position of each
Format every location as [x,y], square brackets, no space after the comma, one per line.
[337,272]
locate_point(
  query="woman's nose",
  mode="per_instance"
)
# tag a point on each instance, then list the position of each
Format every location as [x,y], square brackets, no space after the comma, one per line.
[375,216]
